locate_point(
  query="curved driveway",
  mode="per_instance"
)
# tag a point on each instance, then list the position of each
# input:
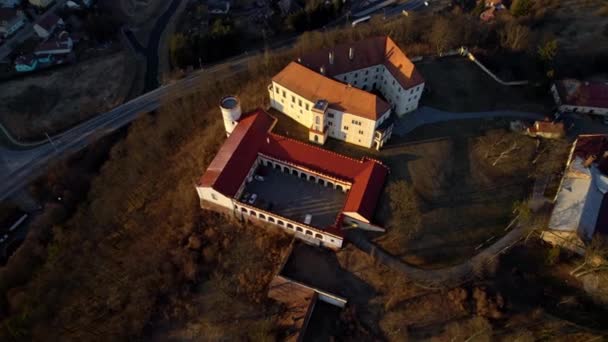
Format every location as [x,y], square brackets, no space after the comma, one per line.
[443,277]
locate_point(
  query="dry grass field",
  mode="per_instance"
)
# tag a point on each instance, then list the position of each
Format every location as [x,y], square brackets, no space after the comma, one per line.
[57,99]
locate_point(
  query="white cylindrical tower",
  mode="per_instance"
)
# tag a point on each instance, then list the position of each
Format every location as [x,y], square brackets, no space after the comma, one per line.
[231,112]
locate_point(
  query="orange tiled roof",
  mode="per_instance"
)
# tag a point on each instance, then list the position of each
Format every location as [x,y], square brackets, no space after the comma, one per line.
[340,96]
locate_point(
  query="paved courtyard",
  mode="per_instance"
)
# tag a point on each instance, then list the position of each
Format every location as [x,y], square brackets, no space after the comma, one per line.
[293,197]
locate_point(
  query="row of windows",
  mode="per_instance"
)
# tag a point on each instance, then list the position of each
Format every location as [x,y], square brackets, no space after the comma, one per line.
[282,224]
[293,99]
[356,122]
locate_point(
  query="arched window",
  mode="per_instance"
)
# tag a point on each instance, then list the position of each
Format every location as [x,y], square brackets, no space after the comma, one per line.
[312,179]
[339,187]
[308,232]
[243,209]
[280,223]
[303,175]
[290,226]
[252,213]
[319,236]
[299,229]
[322,182]
[262,216]
[270,219]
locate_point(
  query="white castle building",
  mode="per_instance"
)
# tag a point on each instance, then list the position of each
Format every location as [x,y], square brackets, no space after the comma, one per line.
[333,91]
[251,149]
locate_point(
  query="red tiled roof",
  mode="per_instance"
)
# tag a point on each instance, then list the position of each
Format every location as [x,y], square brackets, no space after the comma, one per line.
[251,136]
[367,53]
[49,21]
[590,145]
[367,176]
[584,94]
[238,153]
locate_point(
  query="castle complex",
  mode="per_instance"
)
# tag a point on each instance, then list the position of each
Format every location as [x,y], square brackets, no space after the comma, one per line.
[349,92]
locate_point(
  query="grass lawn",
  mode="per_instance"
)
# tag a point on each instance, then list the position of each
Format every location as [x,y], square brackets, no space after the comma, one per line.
[458,85]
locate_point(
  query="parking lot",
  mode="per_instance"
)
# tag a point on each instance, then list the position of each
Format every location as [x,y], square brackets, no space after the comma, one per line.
[294,198]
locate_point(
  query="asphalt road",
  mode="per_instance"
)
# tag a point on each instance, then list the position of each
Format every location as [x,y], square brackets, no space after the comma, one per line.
[20,163]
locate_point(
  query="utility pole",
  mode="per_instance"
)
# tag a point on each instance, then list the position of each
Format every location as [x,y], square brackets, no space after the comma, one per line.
[51,141]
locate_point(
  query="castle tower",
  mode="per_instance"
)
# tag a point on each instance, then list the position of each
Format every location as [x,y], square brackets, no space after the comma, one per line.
[231,112]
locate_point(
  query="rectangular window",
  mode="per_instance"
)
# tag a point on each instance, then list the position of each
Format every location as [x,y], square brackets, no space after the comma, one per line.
[330,115]
[283,93]
[293,99]
[346,128]
[330,123]
[360,132]
[355,122]
[307,107]
[300,103]
[317,120]
[214,197]
[412,91]
[277,88]
[366,72]
[356,75]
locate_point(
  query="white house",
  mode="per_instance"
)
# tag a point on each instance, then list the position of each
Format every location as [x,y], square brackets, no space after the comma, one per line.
[581,203]
[332,91]
[250,145]
[11,21]
[573,96]
[46,26]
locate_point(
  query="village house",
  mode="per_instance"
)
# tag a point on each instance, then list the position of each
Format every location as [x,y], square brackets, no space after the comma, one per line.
[11,21]
[46,26]
[581,203]
[572,96]
[256,172]
[331,91]
[60,45]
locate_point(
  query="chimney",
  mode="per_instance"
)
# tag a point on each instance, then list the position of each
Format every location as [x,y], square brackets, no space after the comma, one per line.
[322,70]
[331,57]
[351,53]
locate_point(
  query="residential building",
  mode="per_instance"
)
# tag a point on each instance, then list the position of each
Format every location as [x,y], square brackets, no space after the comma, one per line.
[46,26]
[251,145]
[332,91]
[573,96]
[581,203]
[41,3]
[60,45]
[11,21]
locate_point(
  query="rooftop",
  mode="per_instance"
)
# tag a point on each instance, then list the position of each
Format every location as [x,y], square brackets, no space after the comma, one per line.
[367,53]
[582,202]
[584,94]
[49,21]
[252,136]
[340,96]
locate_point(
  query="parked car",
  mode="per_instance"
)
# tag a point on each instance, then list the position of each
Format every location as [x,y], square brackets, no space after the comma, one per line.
[307,219]
[252,198]
[259,178]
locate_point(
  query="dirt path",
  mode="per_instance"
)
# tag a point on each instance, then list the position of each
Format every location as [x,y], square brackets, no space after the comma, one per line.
[444,277]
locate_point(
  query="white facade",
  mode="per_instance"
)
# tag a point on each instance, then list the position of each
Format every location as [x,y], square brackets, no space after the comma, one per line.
[402,100]
[575,109]
[248,212]
[329,122]
[230,107]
